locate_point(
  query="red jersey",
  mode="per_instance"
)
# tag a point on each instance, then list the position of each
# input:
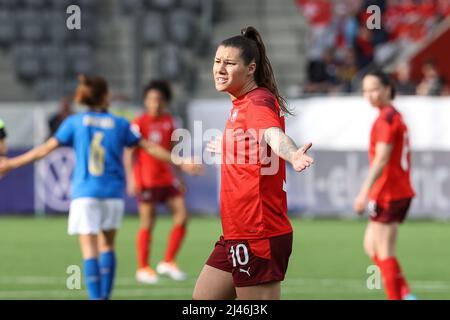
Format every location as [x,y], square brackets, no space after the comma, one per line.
[252,193]
[149,171]
[394,182]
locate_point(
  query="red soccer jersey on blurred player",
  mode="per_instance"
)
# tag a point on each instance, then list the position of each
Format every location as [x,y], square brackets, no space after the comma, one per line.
[252,199]
[148,171]
[394,182]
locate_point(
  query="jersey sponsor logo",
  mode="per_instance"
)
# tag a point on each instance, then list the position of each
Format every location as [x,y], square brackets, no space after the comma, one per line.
[156,137]
[372,208]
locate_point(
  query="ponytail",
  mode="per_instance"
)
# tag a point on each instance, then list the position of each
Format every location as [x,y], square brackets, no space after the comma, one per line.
[253,49]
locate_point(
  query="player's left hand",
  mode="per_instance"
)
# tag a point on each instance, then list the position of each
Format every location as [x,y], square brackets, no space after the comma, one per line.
[359,205]
[301,160]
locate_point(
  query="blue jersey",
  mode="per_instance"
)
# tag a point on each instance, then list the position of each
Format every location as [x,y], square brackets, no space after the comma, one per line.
[98,140]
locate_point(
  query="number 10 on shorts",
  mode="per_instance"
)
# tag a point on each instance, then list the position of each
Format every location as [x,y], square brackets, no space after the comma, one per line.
[236,254]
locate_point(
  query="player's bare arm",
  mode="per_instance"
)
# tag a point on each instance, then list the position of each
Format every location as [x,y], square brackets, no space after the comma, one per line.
[34,154]
[179,173]
[3,148]
[187,165]
[285,148]
[382,155]
[128,166]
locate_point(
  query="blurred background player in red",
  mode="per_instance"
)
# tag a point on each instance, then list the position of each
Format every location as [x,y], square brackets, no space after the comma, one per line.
[250,260]
[387,190]
[153,181]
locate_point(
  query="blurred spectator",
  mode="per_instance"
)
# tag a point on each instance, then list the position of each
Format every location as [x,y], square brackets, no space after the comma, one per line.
[431,84]
[319,14]
[65,110]
[404,84]
[322,77]
[443,8]
[364,48]
[347,70]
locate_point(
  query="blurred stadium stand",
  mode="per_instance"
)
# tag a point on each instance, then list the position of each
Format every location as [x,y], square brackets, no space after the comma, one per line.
[132,41]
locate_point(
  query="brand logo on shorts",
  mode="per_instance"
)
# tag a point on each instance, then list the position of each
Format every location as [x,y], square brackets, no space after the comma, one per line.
[372,207]
[245,271]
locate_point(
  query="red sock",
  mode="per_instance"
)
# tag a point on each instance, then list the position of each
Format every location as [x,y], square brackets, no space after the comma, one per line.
[175,239]
[143,240]
[404,288]
[391,273]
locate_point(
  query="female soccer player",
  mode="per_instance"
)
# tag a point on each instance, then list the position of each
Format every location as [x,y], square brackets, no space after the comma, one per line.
[154,182]
[3,147]
[98,182]
[387,188]
[251,258]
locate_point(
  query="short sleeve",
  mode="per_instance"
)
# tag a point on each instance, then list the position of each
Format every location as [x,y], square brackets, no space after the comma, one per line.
[385,132]
[262,113]
[2,130]
[65,132]
[132,134]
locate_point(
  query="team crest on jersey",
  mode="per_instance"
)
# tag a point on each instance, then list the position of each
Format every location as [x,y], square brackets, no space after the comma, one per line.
[155,136]
[234,115]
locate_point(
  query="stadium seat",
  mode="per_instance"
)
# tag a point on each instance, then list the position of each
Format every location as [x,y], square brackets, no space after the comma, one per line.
[70,86]
[60,4]
[53,21]
[182,27]
[27,62]
[161,4]
[88,31]
[53,60]
[49,89]
[35,4]
[193,5]
[80,59]
[31,26]
[10,4]
[86,5]
[153,31]
[7,28]
[129,6]
[170,63]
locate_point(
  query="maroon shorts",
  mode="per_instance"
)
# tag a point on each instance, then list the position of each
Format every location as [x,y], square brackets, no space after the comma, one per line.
[253,262]
[158,194]
[393,211]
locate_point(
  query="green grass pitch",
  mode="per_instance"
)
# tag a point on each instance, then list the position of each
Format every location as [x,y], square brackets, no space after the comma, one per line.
[327,261]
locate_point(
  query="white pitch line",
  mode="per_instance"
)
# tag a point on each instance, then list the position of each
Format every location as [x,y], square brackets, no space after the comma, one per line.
[168,288]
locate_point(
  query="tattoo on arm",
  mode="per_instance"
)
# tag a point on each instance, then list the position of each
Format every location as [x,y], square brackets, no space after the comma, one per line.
[280,143]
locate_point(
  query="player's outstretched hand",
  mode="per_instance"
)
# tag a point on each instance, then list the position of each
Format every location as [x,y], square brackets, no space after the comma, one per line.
[191,167]
[301,160]
[215,146]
